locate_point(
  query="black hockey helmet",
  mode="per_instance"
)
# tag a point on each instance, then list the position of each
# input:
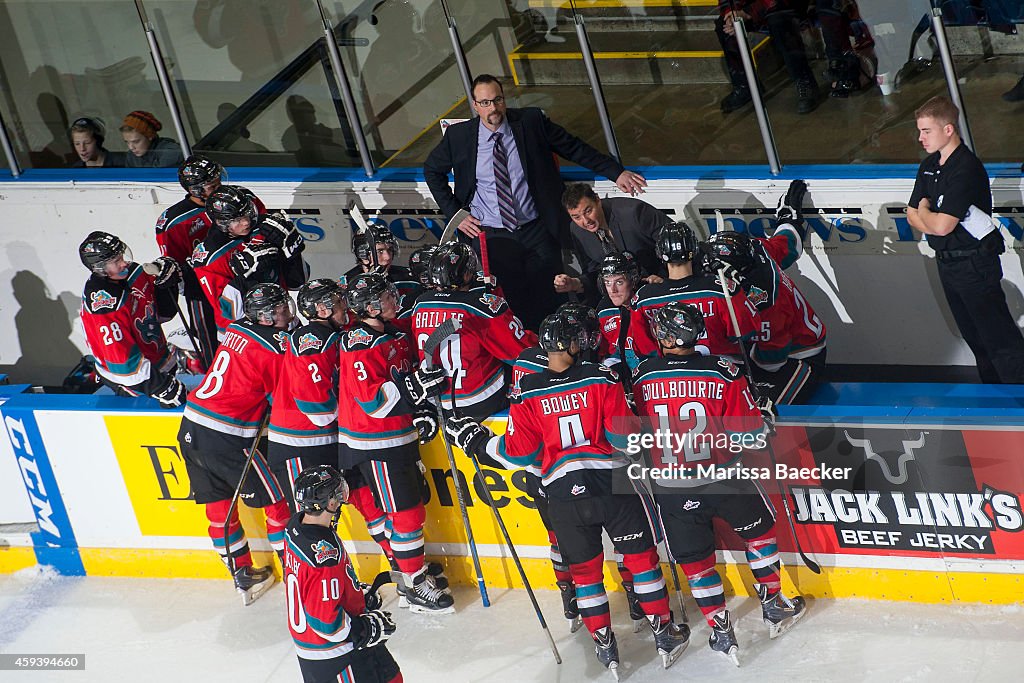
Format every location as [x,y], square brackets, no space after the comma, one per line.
[316,486]
[419,264]
[675,243]
[322,290]
[620,263]
[266,303]
[453,265]
[678,324]
[734,248]
[558,331]
[366,291]
[229,202]
[362,248]
[587,318]
[100,248]
[197,171]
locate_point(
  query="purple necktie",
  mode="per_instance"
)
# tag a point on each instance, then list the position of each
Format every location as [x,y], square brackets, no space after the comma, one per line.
[503,185]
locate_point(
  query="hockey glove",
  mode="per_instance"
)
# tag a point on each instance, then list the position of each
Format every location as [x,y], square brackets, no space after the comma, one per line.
[416,387]
[282,233]
[467,434]
[376,627]
[165,271]
[425,422]
[788,210]
[172,395]
[373,600]
[729,271]
[252,259]
[768,412]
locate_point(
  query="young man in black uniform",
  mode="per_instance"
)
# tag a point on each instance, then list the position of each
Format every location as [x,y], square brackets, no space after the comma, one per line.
[952,205]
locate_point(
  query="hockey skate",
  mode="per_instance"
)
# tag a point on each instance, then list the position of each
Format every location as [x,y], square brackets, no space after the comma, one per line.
[671,639]
[780,612]
[434,569]
[569,606]
[636,612]
[253,582]
[424,597]
[607,650]
[723,638]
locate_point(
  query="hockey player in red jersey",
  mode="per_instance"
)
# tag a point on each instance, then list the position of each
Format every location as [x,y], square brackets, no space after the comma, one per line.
[491,336]
[564,423]
[380,257]
[530,361]
[707,399]
[618,278]
[789,353]
[222,420]
[270,243]
[340,633]
[122,308]
[184,225]
[382,415]
[677,246]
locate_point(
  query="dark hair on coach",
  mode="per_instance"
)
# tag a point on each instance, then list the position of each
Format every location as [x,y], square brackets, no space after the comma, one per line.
[576,193]
[486,78]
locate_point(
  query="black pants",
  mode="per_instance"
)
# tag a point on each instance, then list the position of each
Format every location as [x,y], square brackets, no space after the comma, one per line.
[525,262]
[976,299]
[578,524]
[784,29]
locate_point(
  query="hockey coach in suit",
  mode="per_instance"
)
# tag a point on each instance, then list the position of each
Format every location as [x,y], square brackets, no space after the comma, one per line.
[507,177]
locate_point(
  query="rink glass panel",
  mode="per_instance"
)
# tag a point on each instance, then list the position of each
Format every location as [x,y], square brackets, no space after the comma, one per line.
[61,60]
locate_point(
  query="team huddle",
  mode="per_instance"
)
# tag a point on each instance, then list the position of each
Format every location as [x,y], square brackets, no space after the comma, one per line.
[389,356]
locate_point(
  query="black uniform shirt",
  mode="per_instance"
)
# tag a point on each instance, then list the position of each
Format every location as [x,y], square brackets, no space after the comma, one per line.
[960,188]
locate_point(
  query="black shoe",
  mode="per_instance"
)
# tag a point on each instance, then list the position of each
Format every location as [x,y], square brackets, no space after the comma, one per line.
[738,98]
[570,608]
[780,613]
[806,96]
[1016,93]
[252,582]
[671,639]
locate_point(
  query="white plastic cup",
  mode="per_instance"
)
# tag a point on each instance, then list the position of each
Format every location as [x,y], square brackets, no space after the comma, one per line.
[885,82]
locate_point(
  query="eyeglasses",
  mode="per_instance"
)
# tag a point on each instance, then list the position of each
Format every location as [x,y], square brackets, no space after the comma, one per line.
[487,103]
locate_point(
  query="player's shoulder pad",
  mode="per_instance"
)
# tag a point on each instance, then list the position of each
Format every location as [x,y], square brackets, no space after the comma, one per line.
[488,304]
[312,339]
[102,296]
[359,338]
[272,338]
[319,544]
[645,365]
[726,367]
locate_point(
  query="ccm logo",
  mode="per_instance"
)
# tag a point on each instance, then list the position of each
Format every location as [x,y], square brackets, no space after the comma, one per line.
[629,537]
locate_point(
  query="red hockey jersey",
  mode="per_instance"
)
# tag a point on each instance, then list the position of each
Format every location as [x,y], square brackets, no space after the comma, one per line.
[304,409]
[609,317]
[704,403]
[572,426]
[122,320]
[180,228]
[235,392]
[475,357]
[703,292]
[789,326]
[321,590]
[211,262]
[373,420]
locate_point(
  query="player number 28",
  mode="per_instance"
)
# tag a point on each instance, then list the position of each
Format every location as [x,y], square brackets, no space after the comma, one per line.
[111,334]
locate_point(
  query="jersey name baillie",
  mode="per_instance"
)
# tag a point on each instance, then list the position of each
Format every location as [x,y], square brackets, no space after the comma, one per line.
[734,471]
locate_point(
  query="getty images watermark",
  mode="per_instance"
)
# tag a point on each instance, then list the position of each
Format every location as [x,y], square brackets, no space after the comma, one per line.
[687,457]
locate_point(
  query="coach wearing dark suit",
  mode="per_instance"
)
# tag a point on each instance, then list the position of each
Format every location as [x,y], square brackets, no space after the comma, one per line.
[506,177]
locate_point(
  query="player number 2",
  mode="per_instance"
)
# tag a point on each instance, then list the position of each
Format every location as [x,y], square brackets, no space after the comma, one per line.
[296,614]
[214,381]
[111,334]
[314,372]
[570,429]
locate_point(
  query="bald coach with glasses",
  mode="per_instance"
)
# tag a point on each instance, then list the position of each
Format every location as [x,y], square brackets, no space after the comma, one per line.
[507,178]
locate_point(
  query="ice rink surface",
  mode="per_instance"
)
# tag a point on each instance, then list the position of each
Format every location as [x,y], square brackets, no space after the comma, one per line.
[197,631]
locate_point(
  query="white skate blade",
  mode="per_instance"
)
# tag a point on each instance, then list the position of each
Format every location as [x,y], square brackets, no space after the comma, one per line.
[253,594]
[733,655]
[420,609]
[613,668]
[403,602]
[776,630]
[575,624]
[669,658]
[638,625]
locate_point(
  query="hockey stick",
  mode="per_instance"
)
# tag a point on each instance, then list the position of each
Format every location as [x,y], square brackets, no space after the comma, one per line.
[430,346]
[364,229]
[378,581]
[250,453]
[485,262]
[783,489]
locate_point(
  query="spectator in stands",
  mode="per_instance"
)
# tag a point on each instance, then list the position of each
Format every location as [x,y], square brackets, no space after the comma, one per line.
[87,135]
[952,205]
[603,226]
[146,149]
[506,176]
[780,20]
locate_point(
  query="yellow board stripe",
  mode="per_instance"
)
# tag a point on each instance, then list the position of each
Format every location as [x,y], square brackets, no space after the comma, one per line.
[834,582]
